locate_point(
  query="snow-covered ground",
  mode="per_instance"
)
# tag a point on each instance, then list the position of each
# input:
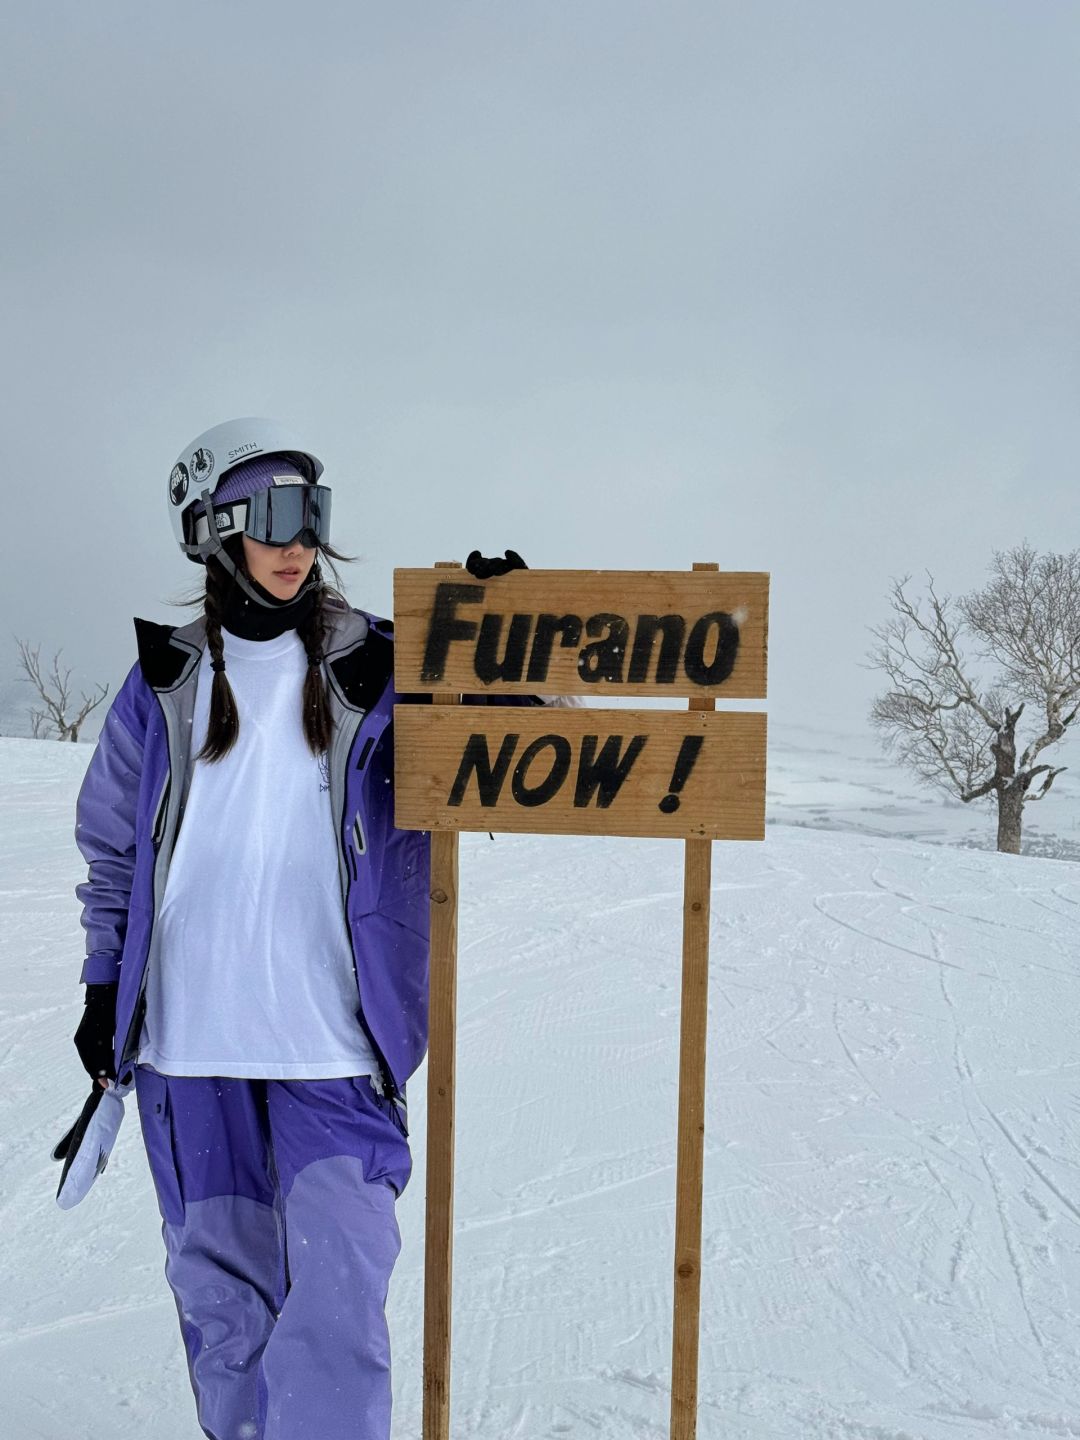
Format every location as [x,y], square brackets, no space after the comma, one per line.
[892,1187]
[832,781]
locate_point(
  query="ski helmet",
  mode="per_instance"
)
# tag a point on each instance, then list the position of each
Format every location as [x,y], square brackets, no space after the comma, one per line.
[203,464]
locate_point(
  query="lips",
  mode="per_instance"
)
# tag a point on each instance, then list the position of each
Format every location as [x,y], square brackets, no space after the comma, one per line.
[287,574]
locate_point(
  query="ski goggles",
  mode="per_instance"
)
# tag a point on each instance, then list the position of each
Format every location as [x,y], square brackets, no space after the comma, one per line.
[277,515]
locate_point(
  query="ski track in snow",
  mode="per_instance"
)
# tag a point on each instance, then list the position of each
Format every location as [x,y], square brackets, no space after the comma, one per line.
[891,1230]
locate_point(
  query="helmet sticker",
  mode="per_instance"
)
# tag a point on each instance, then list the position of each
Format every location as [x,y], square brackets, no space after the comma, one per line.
[178,483]
[202,463]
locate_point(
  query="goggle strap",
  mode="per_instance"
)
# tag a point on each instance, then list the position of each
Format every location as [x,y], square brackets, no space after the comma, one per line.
[229,511]
[208,542]
[210,539]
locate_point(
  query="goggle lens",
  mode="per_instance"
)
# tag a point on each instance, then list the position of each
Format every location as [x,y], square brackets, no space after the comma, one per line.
[278,515]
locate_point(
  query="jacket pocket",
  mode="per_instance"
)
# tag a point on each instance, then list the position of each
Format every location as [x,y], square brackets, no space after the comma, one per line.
[159,817]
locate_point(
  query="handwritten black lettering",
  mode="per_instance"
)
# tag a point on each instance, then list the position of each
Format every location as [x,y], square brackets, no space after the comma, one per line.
[603,775]
[605,659]
[673,629]
[510,667]
[552,782]
[713,671]
[568,629]
[476,760]
[689,750]
[620,649]
[445,626]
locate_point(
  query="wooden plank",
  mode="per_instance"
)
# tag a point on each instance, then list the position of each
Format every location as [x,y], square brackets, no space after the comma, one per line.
[582,632]
[690,1163]
[548,770]
[442,1080]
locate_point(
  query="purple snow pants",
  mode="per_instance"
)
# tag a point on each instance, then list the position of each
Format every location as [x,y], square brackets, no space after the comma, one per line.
[277,1200]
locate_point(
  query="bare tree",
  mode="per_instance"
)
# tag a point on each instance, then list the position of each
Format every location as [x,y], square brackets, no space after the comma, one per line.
[960,735]
[51,721]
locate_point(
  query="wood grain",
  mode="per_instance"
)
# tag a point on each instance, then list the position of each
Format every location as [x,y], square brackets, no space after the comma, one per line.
[690,1155]
[442,1083]
[723,798]
[687,597]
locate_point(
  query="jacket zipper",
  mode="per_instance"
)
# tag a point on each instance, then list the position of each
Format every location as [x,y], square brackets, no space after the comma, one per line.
[138,1014]
[130,1048]
[385,1079]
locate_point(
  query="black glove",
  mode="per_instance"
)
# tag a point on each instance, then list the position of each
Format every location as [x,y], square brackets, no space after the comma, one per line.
[94,1037]
[485,569]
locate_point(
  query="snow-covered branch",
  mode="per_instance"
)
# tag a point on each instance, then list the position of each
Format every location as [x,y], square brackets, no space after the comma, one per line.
[955,730]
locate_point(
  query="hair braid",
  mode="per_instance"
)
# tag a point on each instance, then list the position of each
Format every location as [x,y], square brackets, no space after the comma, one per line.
[224,723]
[318,724]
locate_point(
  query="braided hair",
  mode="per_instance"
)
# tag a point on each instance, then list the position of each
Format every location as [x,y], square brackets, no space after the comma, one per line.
[318,724]
[224,723]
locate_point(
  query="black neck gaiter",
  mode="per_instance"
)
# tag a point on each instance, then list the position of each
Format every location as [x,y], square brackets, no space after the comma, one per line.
[243,617]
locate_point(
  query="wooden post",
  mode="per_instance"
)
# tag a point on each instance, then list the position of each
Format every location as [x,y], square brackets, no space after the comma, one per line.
[697,882]
[442,1043]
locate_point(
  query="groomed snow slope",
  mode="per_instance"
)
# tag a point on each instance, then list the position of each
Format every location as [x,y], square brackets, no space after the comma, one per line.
[892,1189]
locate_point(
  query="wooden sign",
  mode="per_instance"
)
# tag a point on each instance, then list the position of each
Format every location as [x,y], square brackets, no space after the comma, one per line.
[551,770]
[694,774]
[582,632]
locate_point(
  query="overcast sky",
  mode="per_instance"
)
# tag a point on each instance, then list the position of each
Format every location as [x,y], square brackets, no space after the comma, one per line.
[787,286]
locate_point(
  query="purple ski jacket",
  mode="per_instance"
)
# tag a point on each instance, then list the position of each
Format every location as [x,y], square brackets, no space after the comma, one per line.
[131,806]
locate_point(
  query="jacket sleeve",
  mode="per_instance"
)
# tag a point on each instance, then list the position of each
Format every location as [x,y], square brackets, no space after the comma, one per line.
[105,829]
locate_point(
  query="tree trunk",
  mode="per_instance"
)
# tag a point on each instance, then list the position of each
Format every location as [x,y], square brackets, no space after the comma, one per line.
[1010,800]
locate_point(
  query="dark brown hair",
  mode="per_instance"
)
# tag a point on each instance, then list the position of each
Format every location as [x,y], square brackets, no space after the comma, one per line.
[224,725]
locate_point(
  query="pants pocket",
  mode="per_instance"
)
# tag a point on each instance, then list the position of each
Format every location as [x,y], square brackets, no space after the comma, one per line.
[389,1158]
[398,1111]
[155,1118]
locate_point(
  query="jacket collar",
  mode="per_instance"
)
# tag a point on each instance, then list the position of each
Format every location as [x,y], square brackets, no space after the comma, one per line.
[358,653]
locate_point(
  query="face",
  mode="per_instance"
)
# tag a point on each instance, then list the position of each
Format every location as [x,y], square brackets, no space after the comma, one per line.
[281,569]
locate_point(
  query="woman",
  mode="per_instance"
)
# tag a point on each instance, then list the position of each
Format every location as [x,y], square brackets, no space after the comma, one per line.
[257,947]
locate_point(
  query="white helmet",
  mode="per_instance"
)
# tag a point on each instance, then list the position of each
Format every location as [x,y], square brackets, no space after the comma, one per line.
[202,463]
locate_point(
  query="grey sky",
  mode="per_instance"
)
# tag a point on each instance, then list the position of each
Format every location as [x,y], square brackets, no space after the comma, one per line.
[788,286]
